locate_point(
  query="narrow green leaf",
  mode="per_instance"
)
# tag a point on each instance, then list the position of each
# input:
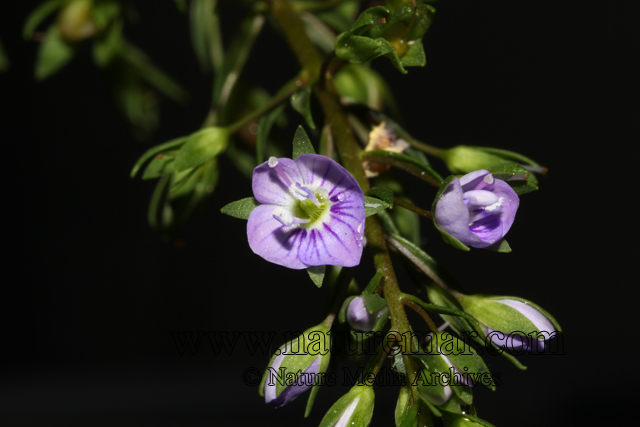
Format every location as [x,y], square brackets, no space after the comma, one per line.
[240,209]
[373,283]
[152,74]
[302,143]
[155,151]
[156,199]
[39,14]
[405,163]
[53,54]
[301,102]
[372,206]
[161,164]
[264,129]
[235,57]
[342,314]
[520,179]
[108,45]
[202,146]
[358,49]
[500,246]
[205,34]
[383,193]
[316,273]
[368,17]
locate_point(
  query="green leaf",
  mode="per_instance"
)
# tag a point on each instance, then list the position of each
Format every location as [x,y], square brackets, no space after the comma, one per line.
[516,176]
[241,208]
[373,302]
[264,129]
[161,164]
[108,45]
[358,49]
[156,199]
[403,162]
[301,102]
[39,14]
[414,56]
[154,151]
[53,54]
[202,146]
[472,361]
[235,58]
[4,59]
[446,236]
[383,193]
[372,206]
[422,21]
[302,143]
[373,283]
[152,74]
[205,34]
[104,12]
[316,273]
[342,314]
[510,155]
[368,17]
[500,246]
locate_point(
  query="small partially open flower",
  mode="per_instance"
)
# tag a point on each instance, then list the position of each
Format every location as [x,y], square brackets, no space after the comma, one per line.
[312,213]
[382,137]
[477,209]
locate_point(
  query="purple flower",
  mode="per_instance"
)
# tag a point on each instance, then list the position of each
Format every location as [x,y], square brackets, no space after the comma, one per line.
[477,209]
[312,213]
[359,317]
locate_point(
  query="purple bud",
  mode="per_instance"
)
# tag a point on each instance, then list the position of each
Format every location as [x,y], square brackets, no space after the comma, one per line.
[299,386]
[477,209]
[359,317]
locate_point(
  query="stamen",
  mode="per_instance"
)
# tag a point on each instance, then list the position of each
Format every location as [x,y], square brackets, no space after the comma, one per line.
[285,217]
[303,193]
[273,163]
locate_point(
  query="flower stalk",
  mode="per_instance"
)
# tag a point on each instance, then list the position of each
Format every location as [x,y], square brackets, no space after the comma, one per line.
[311,61]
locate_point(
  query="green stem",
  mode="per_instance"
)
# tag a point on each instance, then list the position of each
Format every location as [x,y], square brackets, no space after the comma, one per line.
[285,93]
[411,207]
[429,149]
[310,60]
[418,306]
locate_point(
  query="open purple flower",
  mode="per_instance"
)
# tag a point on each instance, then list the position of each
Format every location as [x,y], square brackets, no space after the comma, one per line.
[477,209]
[312,213]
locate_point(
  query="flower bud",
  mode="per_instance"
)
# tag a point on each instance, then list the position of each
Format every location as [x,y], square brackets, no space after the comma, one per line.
[476,209]
[513,322]
[296,366]
[75,22]
[466,158]
[354,409]
[360,318]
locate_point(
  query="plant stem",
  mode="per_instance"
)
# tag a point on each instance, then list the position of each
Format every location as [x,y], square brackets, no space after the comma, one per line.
[410,301]
[289,89]
[310,60]
[429,149]
[411,207]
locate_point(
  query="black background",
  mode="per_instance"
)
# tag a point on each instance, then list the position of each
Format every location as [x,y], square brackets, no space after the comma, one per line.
[91,293]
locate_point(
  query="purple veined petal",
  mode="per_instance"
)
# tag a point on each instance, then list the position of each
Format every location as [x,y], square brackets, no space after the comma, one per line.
[451,214]
[509,204]
[322,172]
[476,180]
[486,231]
[268,186]
[273,241]
[336,240]
[298,387]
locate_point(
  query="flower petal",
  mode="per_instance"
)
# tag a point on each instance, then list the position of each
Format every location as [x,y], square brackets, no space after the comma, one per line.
[509,204]
[322,172]
[477,180]
[268,186]
[337,241]
[451,214]
[273,241]
[299,386]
